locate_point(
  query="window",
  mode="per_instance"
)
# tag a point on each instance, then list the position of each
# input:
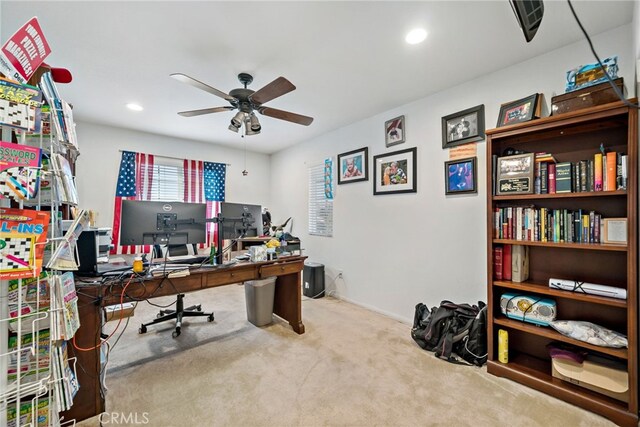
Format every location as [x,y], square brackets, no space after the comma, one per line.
[168,181]
[320,208]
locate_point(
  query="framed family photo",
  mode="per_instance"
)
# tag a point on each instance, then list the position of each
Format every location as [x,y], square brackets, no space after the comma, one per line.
[460,176]
[394,131]
[353,166]
[463,127]
[395,172]
[519,111]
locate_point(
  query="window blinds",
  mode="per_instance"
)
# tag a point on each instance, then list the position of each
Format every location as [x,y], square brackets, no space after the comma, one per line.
[320,208]
[168,183]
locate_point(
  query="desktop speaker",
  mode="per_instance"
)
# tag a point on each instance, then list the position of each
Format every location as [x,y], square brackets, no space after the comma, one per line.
[528,308]
[88,249]
[313,280]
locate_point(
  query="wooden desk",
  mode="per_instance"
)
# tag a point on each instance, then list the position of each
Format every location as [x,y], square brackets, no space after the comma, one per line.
[287,304]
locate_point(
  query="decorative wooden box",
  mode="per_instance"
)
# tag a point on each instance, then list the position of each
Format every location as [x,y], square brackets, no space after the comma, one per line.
[590,96]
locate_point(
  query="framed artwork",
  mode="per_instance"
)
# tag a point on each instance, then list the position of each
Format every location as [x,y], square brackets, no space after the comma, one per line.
[515,174]
[615,231]
[463,127]
[395,172]
[394,131]
[519,111]
[460,176]
[353,166]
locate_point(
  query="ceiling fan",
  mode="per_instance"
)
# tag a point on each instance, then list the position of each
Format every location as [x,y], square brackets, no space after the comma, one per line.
[247,102]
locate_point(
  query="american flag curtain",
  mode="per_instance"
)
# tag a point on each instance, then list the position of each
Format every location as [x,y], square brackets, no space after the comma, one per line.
[134,183]
[214,192]
[205,182]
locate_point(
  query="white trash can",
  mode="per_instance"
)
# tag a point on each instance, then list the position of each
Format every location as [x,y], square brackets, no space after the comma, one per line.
[259,297]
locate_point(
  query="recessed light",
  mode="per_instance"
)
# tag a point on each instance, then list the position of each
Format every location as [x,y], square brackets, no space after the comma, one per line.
[416,36]
[134,107]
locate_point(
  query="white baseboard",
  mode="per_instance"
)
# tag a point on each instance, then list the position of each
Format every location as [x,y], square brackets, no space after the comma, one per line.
[374,309]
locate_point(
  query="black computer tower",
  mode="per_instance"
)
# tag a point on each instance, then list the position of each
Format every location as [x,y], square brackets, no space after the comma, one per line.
[313,280]
[88,249]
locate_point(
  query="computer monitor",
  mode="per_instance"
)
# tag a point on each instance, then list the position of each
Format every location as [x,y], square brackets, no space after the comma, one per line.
[162,223]
[250,227]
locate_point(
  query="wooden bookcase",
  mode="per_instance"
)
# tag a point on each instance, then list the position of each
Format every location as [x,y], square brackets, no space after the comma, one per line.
[570,137]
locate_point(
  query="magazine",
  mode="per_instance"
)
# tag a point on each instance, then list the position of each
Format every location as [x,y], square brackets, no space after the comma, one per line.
[22,240]
[35,302]
[63,257]
[19,171]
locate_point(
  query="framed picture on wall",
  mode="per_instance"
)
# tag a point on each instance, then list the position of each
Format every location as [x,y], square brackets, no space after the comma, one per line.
[395,172]
[394,131]
[353,166]
[519,111]
[463,127]
[460,176]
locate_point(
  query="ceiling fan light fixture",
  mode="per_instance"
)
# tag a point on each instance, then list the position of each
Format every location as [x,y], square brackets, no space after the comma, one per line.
[254,123]
[233,127]
[238,119]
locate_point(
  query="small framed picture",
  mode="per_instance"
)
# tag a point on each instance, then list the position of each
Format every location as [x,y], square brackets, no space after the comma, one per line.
[519,111]
[614,231]
[460,176]
[394,131]
[354,166]
[515,174]
[463,127]
[395,172]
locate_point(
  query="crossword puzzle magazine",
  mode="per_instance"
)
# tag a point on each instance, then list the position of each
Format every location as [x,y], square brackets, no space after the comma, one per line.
[23,234]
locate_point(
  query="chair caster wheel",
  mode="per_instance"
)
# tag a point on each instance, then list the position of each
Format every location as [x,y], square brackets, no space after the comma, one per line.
[198,308]
[210,318]
[142,329]
[159,315]
[175,333]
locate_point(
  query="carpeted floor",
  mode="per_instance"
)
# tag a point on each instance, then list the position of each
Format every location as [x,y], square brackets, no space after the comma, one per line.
[352,367]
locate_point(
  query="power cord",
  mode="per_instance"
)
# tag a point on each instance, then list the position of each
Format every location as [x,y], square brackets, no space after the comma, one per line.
[615,88]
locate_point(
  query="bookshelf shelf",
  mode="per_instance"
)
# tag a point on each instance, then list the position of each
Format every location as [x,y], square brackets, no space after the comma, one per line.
[617,193]
[544,289]
[571,137]
[548,332]
[581,246]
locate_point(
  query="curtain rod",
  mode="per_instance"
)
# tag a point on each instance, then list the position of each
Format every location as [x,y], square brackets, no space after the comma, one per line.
[169,157]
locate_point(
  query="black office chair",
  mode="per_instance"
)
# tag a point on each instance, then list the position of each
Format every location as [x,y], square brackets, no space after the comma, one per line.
[180,311]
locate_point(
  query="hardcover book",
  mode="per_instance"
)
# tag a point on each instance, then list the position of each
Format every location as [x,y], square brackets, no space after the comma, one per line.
[563,177]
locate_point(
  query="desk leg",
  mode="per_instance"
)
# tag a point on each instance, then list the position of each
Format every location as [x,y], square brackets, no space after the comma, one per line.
[88,402]
[288,300]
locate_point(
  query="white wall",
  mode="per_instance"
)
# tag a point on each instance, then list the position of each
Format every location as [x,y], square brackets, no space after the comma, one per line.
[398,250]
[97,166]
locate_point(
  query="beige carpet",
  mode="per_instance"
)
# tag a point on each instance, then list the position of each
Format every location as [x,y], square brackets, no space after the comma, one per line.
[352,367]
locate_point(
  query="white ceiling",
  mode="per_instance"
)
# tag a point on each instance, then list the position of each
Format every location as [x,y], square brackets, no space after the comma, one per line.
[348,60]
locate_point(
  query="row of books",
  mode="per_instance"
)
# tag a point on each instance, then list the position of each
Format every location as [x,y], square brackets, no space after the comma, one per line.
[603,172]
[529,223]
[511,262]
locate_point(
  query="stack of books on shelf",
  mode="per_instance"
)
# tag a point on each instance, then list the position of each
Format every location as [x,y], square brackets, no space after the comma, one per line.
[605,171]
[529,223]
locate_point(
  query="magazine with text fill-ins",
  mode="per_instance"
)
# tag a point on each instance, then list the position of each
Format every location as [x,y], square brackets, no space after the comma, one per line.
[23,234]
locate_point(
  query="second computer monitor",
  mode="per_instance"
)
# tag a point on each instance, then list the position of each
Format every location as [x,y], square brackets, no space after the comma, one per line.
[252,215]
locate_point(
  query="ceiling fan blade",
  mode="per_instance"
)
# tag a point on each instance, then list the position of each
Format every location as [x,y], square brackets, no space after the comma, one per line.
[193,113]
[276,88]
[286,115]
[196,83]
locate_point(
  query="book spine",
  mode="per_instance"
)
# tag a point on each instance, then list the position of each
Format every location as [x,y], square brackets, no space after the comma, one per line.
[596,229]
[611,171]
[536,179]
[506,262]
[497,263]
[590,176]
[619,171]
[544,178]
[552,178]
[562,225]
[583,175]
[623,171]
[597,172]
[575,178]
[592,223]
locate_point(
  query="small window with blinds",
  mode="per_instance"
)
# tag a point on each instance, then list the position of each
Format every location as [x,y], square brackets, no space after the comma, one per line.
[320,208]
[168,182]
